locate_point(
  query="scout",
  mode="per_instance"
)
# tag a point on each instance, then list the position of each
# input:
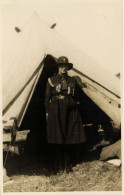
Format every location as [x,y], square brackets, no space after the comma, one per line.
[64,124]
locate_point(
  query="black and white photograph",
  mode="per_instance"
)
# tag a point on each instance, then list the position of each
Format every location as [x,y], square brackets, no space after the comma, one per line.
[61,95]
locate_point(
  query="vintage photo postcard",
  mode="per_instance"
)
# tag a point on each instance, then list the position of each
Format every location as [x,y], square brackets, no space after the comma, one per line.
[61,96]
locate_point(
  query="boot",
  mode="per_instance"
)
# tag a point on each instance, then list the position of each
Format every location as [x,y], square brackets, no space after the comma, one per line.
[59,163]
[68,167]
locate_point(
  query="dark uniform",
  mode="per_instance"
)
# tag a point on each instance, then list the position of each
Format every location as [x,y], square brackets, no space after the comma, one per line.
[64,125]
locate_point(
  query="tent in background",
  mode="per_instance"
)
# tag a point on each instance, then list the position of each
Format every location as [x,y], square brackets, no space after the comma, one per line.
[23,64]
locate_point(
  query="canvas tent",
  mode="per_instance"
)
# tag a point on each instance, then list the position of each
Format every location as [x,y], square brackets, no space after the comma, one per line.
[22,64]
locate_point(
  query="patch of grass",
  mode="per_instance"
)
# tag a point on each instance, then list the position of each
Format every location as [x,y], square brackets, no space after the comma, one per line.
[29,175]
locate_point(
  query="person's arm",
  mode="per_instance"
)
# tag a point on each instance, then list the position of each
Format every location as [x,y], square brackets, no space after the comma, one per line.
[48,95]
[77,93]
[79,82]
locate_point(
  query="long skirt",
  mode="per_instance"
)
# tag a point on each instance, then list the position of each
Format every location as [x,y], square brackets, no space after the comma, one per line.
[64,125]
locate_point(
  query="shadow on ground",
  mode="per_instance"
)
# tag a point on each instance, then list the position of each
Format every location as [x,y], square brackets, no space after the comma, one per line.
[45,161]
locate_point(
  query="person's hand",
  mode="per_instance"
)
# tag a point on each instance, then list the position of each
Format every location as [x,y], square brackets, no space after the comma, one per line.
[87,85]
[46,116]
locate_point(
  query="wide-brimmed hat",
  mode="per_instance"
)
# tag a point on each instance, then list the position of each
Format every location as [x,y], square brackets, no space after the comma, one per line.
[64,61]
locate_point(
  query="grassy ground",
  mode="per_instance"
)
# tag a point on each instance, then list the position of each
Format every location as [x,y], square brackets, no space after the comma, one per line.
[88,176]
[30,174]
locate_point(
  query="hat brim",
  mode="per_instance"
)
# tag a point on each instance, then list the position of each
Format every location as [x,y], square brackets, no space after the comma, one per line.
[69,65]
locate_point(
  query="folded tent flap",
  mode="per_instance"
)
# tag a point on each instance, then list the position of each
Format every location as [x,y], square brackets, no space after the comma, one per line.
[15,110]
[105,99]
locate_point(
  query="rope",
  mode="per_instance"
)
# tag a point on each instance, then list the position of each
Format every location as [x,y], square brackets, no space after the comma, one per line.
[6,155]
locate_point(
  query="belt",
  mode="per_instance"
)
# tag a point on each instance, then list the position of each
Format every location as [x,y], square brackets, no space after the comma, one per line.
[60,97]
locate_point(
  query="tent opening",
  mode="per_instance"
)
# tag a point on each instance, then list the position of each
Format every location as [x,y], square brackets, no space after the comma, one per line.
[35,118]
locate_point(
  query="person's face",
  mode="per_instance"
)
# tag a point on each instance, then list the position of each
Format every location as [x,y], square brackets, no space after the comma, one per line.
[62,69]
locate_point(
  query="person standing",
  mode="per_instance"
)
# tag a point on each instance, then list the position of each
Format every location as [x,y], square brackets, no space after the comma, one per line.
[64,123]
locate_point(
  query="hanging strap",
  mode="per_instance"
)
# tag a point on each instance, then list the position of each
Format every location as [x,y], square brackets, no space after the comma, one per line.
[50,82]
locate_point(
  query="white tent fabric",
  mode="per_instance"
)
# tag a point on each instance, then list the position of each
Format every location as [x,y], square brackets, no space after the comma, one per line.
[113,150]
[21,60]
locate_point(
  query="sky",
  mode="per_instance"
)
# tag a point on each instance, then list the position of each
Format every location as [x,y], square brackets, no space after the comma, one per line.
[94,26]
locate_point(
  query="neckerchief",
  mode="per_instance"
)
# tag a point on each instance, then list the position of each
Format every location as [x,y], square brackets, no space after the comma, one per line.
[64,85]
